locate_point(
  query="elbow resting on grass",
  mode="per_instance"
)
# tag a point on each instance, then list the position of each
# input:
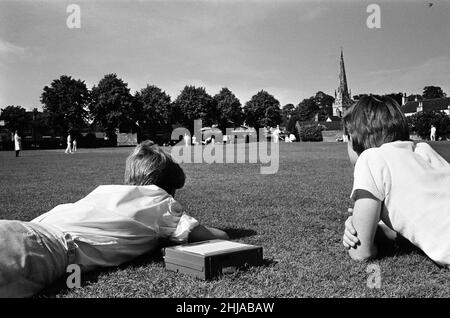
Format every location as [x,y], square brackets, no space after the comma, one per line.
[366,216]
[360,255]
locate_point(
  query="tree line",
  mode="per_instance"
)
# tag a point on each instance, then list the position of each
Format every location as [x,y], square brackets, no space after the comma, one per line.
[69,105]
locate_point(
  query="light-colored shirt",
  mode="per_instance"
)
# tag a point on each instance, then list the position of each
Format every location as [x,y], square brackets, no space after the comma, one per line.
[17,142]
[116,223]
[413,182]
[433,130]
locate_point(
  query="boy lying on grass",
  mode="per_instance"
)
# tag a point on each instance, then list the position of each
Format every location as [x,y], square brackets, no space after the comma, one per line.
[405,185]
[110,226]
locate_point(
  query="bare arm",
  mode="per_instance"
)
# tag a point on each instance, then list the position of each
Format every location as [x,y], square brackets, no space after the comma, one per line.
[384,234]
[366,215]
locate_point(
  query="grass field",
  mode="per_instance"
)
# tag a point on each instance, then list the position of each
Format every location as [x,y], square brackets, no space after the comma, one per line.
[297,215]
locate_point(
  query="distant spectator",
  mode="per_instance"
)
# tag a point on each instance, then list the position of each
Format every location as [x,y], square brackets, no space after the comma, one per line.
[17,143]
[276,134]
[74,145]
[187,140]
[433,133]
[69,144]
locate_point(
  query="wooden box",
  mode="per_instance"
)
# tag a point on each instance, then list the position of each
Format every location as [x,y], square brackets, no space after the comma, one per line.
[205,260]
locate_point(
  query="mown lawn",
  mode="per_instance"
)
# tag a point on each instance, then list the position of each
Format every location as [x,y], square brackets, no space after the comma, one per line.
[297,215]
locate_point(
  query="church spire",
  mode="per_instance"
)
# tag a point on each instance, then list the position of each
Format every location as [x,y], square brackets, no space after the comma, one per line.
[342,97]
[343,87]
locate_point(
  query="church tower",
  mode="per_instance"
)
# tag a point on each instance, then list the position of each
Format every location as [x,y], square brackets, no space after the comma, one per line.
[342,97]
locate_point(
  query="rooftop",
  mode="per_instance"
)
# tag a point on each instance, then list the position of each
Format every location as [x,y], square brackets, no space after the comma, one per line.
[437,104]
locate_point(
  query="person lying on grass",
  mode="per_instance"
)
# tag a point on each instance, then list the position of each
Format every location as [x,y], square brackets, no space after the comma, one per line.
[110,226]
[401,189]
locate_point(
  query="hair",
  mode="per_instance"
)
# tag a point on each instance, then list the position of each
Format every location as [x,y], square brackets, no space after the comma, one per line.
[373,121]
[149,164]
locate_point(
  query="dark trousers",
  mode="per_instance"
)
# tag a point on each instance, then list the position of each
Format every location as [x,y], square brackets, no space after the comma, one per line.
[17,153]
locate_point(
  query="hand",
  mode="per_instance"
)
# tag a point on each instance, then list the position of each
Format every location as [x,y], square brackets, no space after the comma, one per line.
[350,240]
[203,233]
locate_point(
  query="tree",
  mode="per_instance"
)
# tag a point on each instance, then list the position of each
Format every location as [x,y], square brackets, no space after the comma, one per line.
[287,111]
[15,118]
[421,123]
[307,109]
[112,106]
[272,116]
[155,106]
[430,92]
[291,125]
[325,104]
[195,103]
[43,120]
[229,111]
[262,110]
[443,127]
[66,101]
[310,132]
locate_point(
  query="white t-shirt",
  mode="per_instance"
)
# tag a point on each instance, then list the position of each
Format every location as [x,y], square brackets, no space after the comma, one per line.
[17,142]
[116,223]
[413,182]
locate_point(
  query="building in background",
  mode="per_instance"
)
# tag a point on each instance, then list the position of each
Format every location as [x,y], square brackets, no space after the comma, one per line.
[426,105]
[342,97]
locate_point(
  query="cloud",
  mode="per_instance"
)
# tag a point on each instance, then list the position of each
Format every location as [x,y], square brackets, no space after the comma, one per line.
[411,79]
[315,13]
[286,95]
[434,71]
[9,48]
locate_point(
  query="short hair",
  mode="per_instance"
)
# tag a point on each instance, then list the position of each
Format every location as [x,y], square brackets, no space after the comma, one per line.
[149,164]
[375,120]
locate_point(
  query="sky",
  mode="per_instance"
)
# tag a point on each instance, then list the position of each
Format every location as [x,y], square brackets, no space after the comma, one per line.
[289,48]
